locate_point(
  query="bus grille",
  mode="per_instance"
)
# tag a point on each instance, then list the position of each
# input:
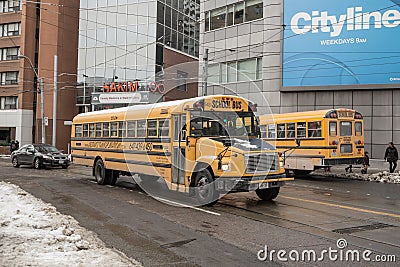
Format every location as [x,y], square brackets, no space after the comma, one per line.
[256,163]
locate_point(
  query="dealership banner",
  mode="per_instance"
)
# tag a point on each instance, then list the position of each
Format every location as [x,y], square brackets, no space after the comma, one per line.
[120,98]
[346,42]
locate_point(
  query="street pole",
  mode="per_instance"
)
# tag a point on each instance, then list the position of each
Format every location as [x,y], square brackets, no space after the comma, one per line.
[42,109]
[53,141]
[205,72]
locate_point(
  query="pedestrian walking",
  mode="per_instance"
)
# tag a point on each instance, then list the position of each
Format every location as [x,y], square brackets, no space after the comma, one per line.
[364,170]
[13,146]
[391,155]
[17,144]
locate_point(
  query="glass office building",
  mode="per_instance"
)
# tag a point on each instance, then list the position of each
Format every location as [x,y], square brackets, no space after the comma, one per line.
[124,41]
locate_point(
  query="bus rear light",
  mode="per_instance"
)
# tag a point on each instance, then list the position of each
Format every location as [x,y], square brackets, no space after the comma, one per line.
[279,154]
[334,151]
[334,142]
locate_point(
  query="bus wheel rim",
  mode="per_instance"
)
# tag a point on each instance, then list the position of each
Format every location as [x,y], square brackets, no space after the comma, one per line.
[202,187]
[15,161]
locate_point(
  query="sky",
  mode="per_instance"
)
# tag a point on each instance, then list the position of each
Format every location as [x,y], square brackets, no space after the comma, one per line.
[34,233]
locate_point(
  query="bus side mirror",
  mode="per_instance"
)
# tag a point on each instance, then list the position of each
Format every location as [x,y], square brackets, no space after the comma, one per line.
[298,141]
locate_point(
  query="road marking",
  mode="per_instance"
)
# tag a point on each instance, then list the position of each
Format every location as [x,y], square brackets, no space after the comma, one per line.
[186,206]
[343,207]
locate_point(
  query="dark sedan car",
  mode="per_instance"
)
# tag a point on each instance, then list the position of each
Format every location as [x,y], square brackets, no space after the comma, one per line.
[39,156]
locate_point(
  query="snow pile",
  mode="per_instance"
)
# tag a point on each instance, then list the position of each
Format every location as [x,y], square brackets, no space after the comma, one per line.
[380,177]
[33,233]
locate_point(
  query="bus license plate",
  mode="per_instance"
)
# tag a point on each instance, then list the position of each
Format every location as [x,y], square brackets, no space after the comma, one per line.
[268,185]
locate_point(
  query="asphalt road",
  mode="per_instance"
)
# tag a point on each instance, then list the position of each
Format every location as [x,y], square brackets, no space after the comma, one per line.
[308,214]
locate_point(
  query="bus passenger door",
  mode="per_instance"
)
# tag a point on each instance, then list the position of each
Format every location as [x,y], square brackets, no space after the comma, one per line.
[179,149]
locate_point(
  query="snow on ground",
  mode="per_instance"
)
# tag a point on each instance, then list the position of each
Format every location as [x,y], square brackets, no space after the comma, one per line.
[380,177]
[34,233]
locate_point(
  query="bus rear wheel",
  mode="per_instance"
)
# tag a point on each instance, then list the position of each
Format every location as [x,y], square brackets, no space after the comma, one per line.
[101,174]
[206,194]
[268,194]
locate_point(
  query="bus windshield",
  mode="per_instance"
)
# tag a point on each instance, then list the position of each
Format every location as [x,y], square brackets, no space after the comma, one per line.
[219,123]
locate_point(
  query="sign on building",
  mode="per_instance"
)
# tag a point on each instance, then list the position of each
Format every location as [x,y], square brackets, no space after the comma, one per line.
[350,42]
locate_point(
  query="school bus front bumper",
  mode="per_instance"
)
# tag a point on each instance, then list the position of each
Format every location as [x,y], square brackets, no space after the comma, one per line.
[246,184]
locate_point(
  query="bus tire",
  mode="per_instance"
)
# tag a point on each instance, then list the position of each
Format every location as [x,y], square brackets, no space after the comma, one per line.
[206,194]
[114,177]
[301,172]
[100,173]
[268,194]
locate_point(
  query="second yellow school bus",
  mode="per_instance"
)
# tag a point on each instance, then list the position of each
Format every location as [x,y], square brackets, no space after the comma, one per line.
[316,139]
[207,143]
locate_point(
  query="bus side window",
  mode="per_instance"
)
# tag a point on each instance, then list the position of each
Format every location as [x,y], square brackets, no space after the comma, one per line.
[332,128]
[271,131]
[301,130]
[91,130]
[152,128]
[281,130]
[78,130]
[86,130]
[163,127]
[106,129]
[291,130]
[314,129]
[114,129]
[263,131]
[358,128]
[141,128]
[122,129]
[131,128]
[98,130]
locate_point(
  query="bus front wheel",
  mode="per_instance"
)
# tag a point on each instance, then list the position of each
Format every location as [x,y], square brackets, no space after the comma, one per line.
[100,173]
[205,189]
[268,193]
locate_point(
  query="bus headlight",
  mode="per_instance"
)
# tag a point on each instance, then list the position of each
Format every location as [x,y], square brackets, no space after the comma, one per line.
[226,167]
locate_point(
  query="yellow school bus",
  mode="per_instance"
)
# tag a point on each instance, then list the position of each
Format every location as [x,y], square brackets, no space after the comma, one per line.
[201,146]
[315,139]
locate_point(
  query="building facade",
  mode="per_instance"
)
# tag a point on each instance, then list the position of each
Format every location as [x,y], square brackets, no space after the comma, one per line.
[32,33]
[126,49]
[289,56]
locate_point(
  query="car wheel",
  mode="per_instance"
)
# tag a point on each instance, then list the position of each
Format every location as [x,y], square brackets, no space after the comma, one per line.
[205,189]
[268,194]
[36,163]
[15,162]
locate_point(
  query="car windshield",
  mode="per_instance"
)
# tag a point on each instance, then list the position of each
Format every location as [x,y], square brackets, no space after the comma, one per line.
[46,149]
[209,123]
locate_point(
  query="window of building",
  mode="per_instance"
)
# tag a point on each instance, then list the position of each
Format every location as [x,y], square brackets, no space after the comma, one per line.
[232,72]
[8,78]
[10,6]
[9,53]
[247,70]
[181,78]
[9,102]
[10,29]
[233,14]
[259,68]
[236,71]
[254,10]
[213,73]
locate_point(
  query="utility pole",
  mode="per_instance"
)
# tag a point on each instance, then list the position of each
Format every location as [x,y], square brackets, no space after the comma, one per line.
[42,110]
[205,72]
[53,141]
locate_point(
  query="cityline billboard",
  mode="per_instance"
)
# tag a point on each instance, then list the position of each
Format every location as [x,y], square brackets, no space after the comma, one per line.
[347,42]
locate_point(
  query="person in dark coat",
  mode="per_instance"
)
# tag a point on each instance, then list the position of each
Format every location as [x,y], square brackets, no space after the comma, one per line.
[365,163]
[391,155]
[13,146]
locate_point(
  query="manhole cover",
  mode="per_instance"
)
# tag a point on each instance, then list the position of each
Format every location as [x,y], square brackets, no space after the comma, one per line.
[368,227]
